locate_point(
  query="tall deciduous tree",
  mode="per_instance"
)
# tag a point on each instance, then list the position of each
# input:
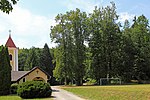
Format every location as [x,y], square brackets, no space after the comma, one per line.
[105,42]
[79,30]
[128,51]
[70,33]
[62,35]
[141,39]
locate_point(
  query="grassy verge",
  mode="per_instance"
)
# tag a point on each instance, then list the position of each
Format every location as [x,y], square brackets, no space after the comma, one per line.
[125,92]
[9,97]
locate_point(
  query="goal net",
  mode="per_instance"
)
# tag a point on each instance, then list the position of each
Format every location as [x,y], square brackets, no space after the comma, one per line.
[110,81]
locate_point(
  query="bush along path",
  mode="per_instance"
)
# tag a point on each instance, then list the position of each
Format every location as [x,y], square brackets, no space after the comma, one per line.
[34,89]
[60,94]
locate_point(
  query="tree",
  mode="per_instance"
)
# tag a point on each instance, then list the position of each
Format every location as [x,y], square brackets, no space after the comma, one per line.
[46,60]
[32,59]
[28,58]
[58,73]
[64,38]
[79,30]
[5,71]
[105,42]
[70,33]
[22,57]
[6,5]
[141,39]
[128,54]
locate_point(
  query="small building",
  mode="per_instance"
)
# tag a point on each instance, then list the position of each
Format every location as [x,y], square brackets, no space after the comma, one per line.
[35,74]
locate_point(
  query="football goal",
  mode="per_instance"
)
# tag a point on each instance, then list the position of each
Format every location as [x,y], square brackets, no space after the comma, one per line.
[110,81]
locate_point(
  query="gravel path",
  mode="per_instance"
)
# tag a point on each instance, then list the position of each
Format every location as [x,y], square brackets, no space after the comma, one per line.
[60,94]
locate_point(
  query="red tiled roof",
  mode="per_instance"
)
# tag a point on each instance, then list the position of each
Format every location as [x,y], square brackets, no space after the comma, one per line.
[10,42]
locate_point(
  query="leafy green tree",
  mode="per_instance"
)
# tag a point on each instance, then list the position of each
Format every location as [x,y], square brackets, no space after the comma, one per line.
[31,60]
[6,5]
[64,40]
[58,70]
[88,62]
[70,33]
[5,71]
[125,69]
[28,58]
[141,39]
[79,29]
[105,42]
[22,57]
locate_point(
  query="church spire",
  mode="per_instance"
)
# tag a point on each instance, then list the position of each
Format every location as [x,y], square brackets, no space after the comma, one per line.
[10,42]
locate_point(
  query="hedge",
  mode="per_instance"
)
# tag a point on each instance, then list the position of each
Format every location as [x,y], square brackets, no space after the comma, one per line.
[34,89]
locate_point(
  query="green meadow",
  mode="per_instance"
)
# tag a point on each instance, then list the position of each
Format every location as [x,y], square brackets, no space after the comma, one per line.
[122,92]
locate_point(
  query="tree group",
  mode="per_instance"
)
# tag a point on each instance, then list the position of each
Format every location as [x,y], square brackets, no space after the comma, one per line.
[96,45]
[30,58]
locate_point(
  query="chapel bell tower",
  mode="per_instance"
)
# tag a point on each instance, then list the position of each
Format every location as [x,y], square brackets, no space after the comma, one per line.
[13,53]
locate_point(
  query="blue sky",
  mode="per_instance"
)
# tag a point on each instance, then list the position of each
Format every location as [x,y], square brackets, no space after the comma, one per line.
[30,20]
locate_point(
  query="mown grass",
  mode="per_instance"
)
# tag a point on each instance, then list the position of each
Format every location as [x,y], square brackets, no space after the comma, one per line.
[124,92]
[10,97]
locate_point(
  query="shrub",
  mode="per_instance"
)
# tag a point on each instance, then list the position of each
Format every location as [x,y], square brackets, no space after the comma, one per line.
[14,88]
[34,89]
[90,81]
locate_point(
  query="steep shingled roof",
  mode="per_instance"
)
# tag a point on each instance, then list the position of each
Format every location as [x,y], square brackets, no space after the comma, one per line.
[15,75]
[10,43]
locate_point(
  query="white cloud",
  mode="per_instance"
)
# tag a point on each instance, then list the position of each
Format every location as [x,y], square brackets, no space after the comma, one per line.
[87,6]
[27,29]
[125,16]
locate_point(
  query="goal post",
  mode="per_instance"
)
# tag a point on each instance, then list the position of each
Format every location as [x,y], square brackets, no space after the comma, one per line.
[110,81]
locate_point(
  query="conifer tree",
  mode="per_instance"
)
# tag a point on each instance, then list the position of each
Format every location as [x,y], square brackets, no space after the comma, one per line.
[5,71]
[46,60]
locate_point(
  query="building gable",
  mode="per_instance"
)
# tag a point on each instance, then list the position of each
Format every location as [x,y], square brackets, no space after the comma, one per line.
[34,74]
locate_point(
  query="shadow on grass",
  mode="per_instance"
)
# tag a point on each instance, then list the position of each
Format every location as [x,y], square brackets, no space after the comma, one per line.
[48,98]
[16,97]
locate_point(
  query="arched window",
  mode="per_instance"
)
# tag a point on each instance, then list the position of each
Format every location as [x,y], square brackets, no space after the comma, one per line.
[10,57]
[24,79]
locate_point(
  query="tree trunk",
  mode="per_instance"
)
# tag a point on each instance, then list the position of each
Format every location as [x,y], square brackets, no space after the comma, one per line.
[79,82]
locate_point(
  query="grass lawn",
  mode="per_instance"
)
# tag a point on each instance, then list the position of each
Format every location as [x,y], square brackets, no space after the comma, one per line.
[19,98]
[10,97]
[122,92]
